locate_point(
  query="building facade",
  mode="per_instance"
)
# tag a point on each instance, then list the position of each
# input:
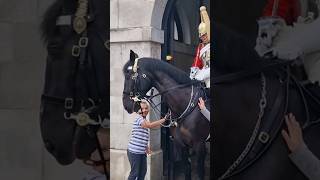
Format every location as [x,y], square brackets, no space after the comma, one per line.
[151,28]
[22,70]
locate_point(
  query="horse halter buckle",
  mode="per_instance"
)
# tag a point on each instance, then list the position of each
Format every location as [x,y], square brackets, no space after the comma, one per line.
[264,137]
[68,103]
[83,42]
[75,51]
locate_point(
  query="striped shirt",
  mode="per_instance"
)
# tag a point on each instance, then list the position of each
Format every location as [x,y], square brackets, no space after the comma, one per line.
[139,137]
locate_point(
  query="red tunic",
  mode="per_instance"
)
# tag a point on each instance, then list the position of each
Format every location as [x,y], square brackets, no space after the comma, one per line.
[289,10]
[197,62]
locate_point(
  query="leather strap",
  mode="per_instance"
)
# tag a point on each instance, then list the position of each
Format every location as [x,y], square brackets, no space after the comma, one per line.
[271,126]
[243,74]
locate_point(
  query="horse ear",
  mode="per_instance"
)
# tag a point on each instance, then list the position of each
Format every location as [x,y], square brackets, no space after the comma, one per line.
[133,56]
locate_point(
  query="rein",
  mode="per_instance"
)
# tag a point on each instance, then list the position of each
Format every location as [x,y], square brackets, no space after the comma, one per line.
[245,73]
[173,121]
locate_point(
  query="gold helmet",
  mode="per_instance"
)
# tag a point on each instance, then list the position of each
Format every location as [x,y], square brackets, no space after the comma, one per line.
[204,26]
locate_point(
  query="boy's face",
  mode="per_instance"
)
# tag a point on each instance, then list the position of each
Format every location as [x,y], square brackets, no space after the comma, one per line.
[144,109]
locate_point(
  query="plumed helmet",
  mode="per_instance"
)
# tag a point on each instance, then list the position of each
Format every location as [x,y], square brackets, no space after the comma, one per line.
[204,26]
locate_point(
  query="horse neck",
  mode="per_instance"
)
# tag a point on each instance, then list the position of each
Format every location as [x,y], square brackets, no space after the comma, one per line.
[175,98]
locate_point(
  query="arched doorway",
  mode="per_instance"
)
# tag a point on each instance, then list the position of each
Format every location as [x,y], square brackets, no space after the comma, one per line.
[180,25]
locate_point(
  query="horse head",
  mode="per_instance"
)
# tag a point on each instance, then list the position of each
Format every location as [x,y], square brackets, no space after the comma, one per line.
[65,94]
[136,83]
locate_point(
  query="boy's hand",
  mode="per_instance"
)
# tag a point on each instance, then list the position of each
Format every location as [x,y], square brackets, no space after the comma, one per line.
[148,150]
[201,104]
[293,136]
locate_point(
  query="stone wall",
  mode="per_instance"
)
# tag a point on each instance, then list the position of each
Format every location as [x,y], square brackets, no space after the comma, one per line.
[22,66]
[134,25]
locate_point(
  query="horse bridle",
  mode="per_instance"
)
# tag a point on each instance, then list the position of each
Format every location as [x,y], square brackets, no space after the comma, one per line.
[82,118]
[136,95]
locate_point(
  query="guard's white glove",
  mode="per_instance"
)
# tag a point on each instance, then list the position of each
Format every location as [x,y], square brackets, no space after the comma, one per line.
[287,52]
[203,74]
[302,38]
[193,72]
[268,30]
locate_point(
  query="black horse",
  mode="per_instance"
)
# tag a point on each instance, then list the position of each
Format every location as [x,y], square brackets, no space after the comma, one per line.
[76,78]
[251,97]
[180,95]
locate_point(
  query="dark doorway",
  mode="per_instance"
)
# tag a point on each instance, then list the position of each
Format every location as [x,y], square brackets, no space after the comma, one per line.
[180,24]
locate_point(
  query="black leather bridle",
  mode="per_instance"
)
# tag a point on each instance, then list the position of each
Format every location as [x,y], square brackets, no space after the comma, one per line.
[86,111]
[137,95]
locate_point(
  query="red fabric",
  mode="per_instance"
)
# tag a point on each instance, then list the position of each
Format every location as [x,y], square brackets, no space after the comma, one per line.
[289,10]
[197,60]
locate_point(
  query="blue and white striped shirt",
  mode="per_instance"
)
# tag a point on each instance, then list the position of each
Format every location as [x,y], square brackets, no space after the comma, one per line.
[139,137]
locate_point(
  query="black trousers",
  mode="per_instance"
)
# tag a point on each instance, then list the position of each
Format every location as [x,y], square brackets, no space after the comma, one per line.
[138,163]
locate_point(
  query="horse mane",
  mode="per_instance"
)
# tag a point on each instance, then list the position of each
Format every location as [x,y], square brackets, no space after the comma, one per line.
[48,25]
[155,64]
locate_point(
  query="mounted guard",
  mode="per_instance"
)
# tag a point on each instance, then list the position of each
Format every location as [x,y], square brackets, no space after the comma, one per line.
[200,69]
